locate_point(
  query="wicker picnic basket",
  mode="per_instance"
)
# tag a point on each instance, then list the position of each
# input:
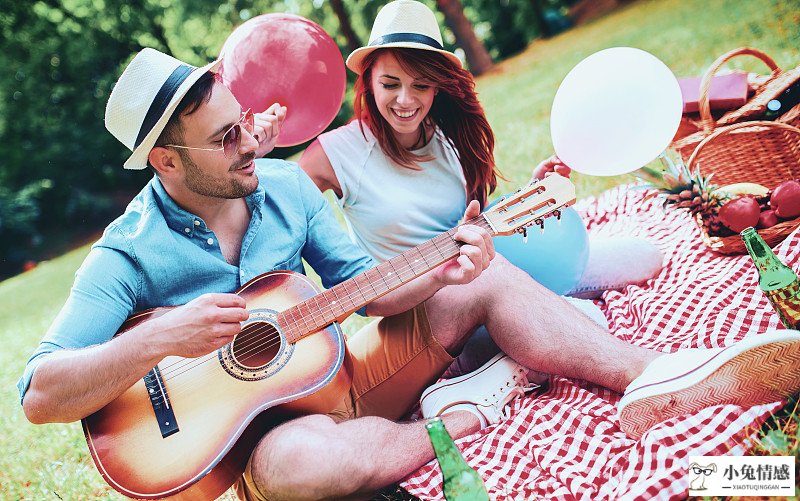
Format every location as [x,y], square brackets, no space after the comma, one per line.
[740,148]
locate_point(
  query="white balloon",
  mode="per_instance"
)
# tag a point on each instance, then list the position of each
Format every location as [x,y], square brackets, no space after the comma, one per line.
[616,111]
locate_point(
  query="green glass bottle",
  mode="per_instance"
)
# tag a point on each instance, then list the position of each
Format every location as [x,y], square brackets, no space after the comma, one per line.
[461,483]
[779,283]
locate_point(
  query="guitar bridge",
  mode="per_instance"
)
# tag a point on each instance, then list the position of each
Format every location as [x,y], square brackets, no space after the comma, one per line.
[160,401]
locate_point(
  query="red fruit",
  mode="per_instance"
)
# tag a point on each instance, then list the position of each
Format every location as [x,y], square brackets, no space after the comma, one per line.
[740,213]
[785,200]
[767,219]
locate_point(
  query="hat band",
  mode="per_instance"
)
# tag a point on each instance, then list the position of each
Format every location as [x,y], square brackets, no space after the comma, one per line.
[407,37]
[162,99]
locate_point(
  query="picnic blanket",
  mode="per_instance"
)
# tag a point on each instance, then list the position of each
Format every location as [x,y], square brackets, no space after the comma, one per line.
[566,443]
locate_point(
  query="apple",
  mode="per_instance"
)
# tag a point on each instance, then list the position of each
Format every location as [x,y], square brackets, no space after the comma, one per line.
[767,219]
[740,213]
[785,200]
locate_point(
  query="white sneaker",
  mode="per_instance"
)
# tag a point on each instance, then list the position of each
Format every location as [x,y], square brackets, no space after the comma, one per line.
[757,370]
[484,392]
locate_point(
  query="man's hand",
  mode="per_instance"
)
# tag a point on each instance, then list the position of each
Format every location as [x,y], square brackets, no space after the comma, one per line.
[200,326]
[549,166]
[476,253]
[267,127]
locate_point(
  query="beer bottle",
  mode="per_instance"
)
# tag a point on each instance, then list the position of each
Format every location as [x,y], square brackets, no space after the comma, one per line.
[461,483]
[779,283]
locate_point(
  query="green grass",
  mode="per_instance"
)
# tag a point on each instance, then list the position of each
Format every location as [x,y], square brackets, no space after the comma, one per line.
[52,462]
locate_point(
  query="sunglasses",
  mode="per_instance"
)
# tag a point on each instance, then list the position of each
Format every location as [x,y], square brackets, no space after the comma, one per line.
[232,140]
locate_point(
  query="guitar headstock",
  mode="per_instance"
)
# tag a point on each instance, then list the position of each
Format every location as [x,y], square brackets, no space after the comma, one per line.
[530,205]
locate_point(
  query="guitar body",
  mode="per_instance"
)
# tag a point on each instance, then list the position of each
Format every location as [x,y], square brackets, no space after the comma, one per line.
[222,403]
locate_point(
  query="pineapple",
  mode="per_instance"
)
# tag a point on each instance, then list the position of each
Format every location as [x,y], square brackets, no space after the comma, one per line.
[683,189]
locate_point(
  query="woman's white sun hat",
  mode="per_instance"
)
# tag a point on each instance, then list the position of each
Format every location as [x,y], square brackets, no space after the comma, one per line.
[402,23]
[144,98]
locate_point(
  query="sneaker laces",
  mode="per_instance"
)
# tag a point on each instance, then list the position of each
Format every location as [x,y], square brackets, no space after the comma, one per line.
[512,389]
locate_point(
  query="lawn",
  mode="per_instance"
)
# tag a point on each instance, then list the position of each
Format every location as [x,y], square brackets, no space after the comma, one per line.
[52,462]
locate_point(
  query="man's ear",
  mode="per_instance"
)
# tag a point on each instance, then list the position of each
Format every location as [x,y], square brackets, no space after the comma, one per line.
[164,160]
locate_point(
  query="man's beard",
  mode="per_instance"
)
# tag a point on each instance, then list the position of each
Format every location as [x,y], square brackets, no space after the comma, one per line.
[229,188]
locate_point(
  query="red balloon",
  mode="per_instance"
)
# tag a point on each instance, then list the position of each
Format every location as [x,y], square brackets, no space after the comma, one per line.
[286,59]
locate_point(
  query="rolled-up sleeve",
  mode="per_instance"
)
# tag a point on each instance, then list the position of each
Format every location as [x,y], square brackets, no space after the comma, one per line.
[102,297]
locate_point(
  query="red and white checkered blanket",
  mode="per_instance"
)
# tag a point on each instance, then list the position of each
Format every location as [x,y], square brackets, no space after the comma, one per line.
[566,443]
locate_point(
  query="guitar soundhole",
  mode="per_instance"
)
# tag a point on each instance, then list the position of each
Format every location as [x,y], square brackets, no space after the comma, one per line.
[256,345]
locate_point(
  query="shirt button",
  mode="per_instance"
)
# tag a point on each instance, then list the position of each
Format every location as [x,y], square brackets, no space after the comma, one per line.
[210,241]
[241,273]
[187,230]
[196,222]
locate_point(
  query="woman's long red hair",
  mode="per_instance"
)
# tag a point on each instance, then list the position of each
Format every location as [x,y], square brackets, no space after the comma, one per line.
[456,110]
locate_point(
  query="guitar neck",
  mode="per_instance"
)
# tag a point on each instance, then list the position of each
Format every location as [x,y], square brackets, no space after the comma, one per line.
[340,301]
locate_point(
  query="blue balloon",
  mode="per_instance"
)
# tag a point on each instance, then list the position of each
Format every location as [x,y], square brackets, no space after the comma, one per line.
[555,258]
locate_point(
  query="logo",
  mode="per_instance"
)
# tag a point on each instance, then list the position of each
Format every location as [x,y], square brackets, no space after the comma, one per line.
[741,475]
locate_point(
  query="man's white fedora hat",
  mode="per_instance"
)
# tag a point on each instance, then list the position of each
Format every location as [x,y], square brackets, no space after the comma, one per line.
[402,23]
[144,98]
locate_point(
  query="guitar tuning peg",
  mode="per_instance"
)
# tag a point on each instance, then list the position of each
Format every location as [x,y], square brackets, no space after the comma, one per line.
[540,222]
[557,214]
[524,235]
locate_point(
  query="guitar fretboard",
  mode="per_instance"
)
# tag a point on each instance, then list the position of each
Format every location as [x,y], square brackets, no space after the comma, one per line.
[342,300]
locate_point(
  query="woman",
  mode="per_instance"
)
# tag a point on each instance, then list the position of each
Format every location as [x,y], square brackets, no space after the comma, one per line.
[420,148]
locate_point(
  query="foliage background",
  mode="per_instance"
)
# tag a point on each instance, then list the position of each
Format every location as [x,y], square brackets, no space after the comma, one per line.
[60,170]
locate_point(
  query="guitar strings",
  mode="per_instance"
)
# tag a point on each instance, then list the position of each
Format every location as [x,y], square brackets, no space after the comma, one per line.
[171,371]
[179,368]
[349,295]
[258,345]
[426,250]
[321,314]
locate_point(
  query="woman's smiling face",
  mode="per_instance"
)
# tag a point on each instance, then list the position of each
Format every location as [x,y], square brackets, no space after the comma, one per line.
[402,99]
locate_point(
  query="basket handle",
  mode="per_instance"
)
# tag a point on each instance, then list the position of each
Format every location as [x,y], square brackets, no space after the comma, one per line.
[705,84]
[730,128]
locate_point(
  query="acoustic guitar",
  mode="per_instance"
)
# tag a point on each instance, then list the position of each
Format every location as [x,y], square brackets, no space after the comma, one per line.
[187,429]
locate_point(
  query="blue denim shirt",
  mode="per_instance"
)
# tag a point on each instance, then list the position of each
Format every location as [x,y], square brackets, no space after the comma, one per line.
[157,254]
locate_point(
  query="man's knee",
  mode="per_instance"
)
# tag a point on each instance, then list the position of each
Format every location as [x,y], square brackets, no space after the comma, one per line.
[298,461]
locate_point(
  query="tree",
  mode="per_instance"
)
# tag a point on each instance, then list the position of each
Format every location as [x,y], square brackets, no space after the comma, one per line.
[478,58]
[544,27]
[586,10]
[505,27]
[353,42]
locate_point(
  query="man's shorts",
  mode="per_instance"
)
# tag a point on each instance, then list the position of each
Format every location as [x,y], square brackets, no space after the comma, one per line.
[394,360]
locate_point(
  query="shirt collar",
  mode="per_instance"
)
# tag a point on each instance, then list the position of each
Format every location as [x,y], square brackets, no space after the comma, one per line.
[185,222]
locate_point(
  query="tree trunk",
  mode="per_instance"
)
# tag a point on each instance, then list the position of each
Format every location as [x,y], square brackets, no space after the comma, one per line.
[478,58]
[353,42]
[586,10]
[544,28]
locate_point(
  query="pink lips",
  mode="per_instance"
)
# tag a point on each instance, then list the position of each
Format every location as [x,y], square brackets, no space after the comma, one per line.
[247,169]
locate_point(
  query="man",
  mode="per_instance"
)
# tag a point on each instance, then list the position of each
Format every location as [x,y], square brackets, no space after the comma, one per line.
[211,219]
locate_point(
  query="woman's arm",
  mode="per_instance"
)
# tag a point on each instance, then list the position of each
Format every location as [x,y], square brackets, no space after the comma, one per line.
[318,167]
